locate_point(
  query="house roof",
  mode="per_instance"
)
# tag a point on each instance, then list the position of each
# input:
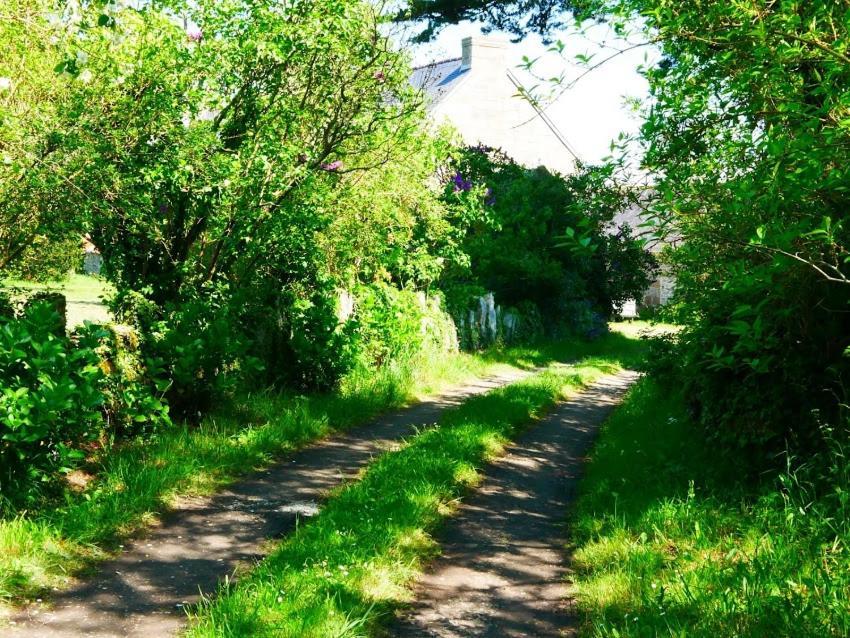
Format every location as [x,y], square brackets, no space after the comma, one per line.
[438,79]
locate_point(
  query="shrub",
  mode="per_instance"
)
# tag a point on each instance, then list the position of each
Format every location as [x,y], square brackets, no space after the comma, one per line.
[190,350]
[133,386]
[766,359]
[203,349]
[134,309]
[546,239]
[396,325]
[316,352]
[57,302]
[48,259]
[50,398]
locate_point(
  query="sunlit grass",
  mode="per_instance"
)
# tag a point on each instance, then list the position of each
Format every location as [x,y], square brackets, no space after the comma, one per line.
[83,293]
[674,538]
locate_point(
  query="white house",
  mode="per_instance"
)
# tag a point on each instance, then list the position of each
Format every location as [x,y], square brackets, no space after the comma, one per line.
[477,94]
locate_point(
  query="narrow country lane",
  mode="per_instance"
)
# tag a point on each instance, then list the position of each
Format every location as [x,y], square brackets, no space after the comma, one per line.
[142,592]
[502,573]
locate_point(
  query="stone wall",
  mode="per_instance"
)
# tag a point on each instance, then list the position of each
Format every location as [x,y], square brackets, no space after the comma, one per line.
[486,323]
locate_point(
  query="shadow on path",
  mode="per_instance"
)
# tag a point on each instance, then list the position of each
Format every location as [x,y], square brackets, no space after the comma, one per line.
[502,573]
[142,592]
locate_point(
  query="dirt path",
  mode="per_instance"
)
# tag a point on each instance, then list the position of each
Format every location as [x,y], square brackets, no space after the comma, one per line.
[502,572]
[143,591]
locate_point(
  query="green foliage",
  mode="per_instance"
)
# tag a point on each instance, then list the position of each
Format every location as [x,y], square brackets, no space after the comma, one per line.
[220,173]
[133,387]
[395,326]
[139,477]
[32,165]
[47,259]
[315,348]
[390,224]
[745,138]
[675,538]
[515,16]
[542,238]
[50,398]
[237,175]
[747,135]
[193,348]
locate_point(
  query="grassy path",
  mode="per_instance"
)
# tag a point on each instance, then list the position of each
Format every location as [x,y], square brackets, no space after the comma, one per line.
[346,571]
[673,536]
[130,486]
[143,590]
[502,571]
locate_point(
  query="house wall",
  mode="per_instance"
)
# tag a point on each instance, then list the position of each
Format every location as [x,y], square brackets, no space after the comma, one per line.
[660,291]
[485,109]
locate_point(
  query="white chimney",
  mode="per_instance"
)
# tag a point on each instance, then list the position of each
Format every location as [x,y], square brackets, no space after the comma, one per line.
[484,51]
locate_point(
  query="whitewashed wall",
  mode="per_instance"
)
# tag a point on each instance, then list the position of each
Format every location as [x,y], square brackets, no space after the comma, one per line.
[484,108]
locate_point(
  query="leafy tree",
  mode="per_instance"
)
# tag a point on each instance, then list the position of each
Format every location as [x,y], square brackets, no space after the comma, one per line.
[544,238]
[222,160]
[201,144]
[746,140]
[31,162]
[746,135]
[515,16]
[391,223]
[48,259]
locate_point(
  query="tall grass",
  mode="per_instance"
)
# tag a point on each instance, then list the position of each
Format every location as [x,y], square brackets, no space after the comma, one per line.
[351,566]
[671,539]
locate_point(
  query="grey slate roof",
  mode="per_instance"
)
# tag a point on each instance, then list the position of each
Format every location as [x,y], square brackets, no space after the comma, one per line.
[438,78]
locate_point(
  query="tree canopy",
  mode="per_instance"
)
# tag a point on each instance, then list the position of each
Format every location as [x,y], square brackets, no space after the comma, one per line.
[515,16]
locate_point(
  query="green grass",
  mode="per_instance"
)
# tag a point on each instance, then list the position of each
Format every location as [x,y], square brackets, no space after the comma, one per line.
[622,345]
[82,292]
[672,539]
[348,568]
[139,479]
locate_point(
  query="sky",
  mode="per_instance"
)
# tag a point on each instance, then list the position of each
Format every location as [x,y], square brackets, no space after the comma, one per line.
[591,113]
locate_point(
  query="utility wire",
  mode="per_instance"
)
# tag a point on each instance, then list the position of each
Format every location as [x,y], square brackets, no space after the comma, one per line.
[543,116]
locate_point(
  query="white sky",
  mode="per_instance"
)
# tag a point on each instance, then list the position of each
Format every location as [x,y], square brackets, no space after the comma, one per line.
[591,113]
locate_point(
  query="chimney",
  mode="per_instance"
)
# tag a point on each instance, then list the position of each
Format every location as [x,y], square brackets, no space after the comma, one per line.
[483,51]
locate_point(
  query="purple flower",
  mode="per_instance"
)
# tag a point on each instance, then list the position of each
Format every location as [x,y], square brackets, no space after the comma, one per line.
[460,184]
[332,166]
[379,76]
[194,34]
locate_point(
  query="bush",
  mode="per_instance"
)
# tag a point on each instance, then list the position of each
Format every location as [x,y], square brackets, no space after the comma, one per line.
[317,352]
[397,325]
[766,361]
[204,350]
[192,350]
[545,239]
[48,260]
[50,397]
[133,386]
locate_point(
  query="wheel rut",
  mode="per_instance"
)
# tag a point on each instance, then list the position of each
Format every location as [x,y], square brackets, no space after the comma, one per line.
[144,590]
[503,570]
